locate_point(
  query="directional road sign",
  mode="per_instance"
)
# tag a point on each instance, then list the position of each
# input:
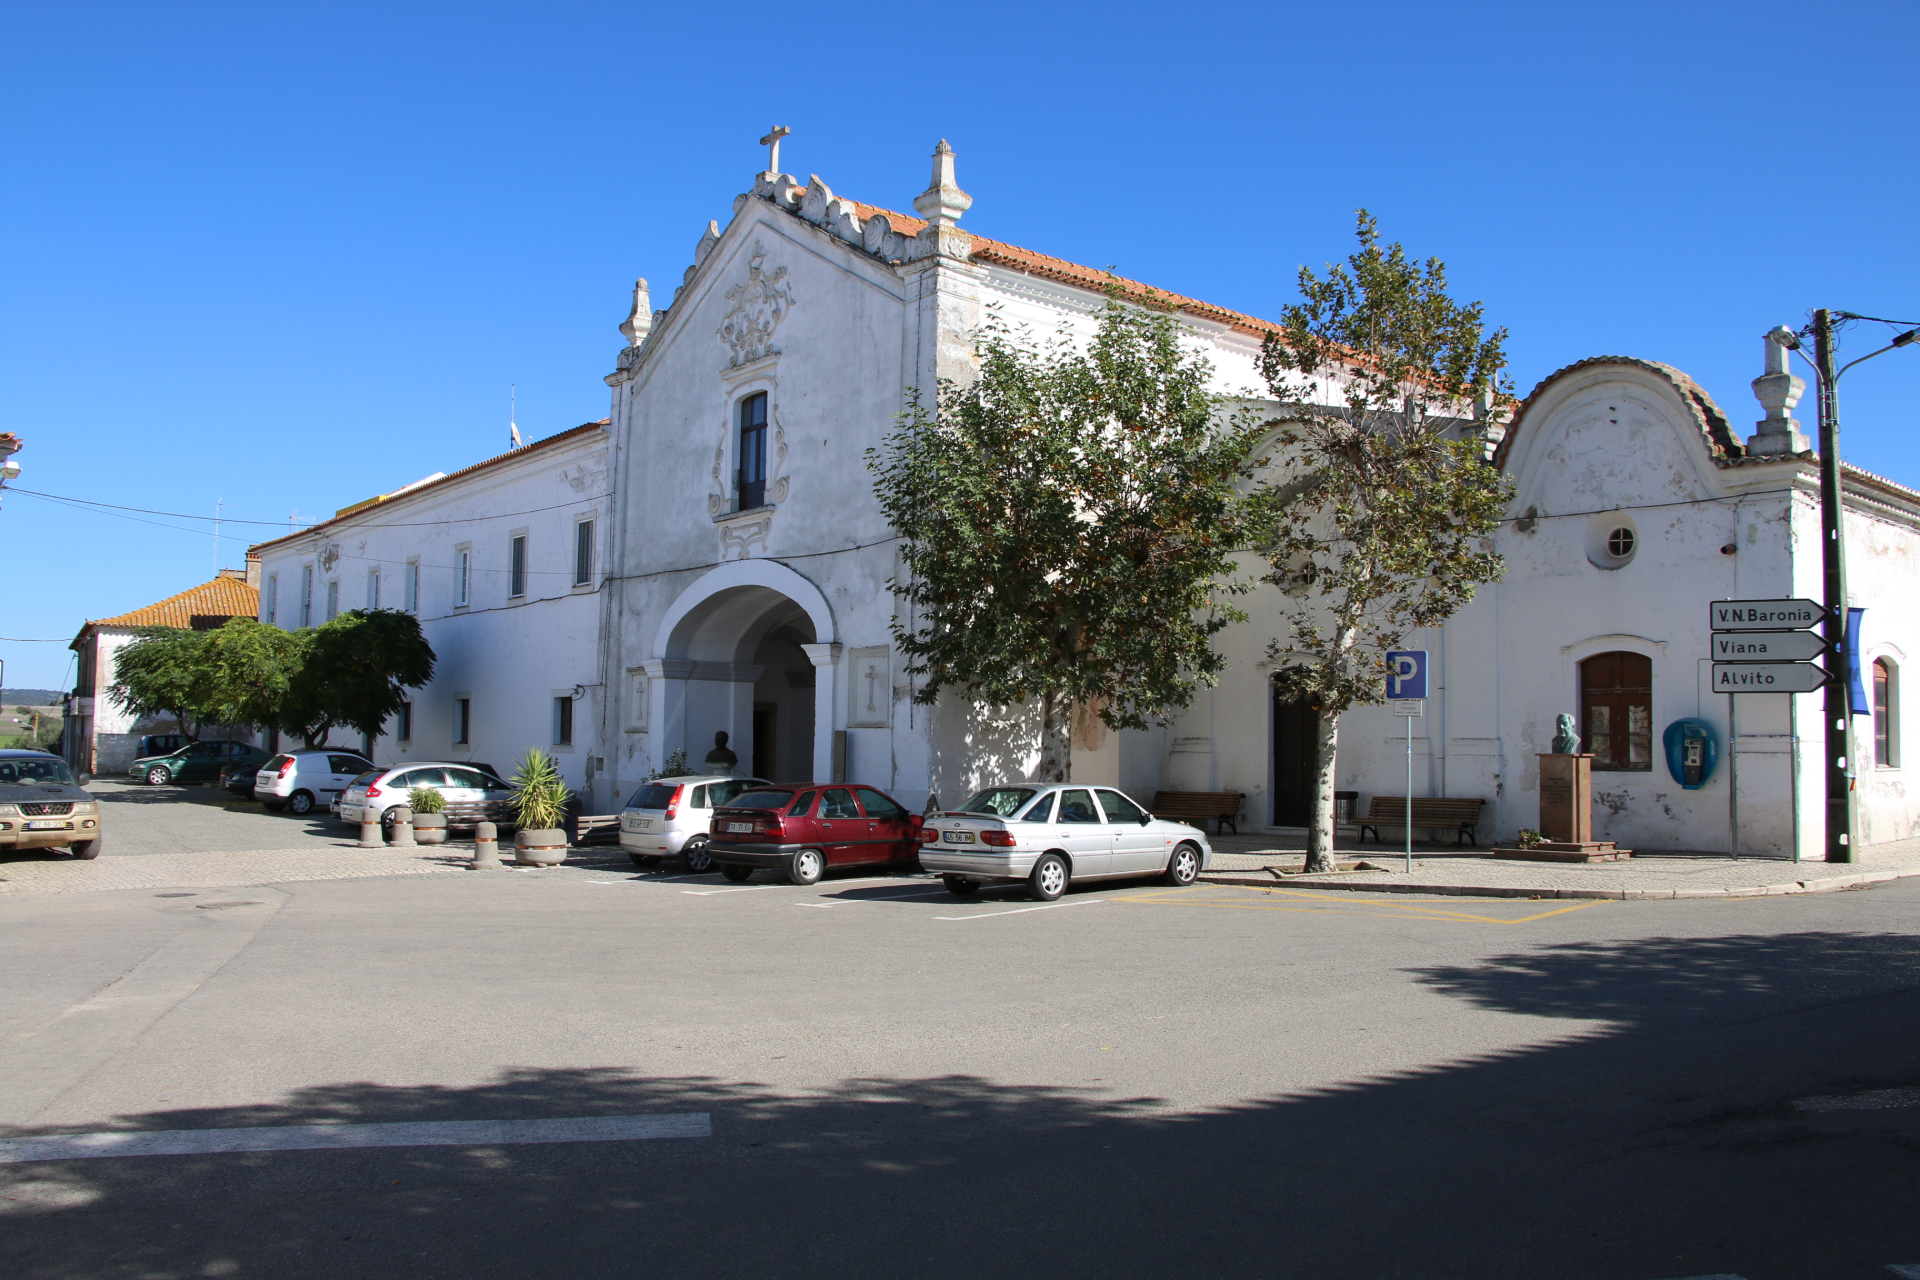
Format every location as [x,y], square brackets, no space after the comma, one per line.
[1767,646]
[1407,673]
[1764,615]
[1767,677]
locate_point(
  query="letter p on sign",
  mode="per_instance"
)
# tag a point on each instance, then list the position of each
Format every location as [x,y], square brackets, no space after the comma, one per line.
[1407,673]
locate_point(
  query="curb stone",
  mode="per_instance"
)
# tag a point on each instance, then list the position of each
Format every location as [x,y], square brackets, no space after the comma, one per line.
[1827,884]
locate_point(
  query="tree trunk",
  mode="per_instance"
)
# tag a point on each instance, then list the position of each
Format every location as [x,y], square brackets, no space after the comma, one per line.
[1320,830]
[1056,738]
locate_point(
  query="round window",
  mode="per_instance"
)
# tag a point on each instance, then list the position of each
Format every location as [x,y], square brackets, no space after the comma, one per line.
[1620,543]
[1612,540]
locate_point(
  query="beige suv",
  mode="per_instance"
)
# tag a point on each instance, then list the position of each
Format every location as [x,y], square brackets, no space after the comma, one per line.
[43,807]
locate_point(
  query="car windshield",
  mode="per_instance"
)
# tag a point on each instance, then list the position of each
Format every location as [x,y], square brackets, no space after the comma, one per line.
[368,778]
[761,800]
[654,795]
[1001,802]
[48,770]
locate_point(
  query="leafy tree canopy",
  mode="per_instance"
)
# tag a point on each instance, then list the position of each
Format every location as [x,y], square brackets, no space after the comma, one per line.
[157,674]
[1066,525]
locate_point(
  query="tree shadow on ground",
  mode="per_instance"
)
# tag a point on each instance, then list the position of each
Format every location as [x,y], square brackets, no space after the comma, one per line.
[1665,1146]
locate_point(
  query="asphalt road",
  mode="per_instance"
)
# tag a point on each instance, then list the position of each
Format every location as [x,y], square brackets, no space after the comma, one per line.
[1133,1082]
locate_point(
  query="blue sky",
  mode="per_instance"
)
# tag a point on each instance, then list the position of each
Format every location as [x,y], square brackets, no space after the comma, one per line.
[293,256]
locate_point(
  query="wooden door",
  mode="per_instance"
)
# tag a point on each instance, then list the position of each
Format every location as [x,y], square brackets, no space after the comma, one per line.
[1296,728]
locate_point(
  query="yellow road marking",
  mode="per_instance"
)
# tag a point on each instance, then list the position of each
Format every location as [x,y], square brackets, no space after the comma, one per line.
[1421,911]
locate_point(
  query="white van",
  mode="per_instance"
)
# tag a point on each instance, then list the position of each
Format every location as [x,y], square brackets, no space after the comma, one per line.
[305,780]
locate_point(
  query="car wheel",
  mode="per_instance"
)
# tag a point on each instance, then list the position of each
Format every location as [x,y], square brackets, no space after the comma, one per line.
[387,824]
[644,859]
[301,802]
[735,872]
[698,860]
[274,806]
[1183,868]
[1049,878]
[960,886]
[807,867]
[88,849]
[159,776]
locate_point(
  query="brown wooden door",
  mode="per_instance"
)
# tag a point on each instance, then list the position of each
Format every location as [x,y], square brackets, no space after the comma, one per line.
[1616,711]
[1296,727]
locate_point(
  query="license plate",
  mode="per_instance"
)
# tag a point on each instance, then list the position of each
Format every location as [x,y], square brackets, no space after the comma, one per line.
[643,824]
[47,824]
[956,837]
[739,826]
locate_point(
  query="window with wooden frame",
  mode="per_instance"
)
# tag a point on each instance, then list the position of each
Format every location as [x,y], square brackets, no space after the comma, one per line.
[753,451]
[1616,711]
[1886,715]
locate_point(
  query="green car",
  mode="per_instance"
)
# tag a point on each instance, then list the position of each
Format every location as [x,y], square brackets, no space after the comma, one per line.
[197,762]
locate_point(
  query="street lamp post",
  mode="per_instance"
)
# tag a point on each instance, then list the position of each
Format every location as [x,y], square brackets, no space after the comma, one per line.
[1837,696]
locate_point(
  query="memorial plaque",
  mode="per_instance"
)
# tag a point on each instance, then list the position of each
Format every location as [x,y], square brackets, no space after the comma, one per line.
[1566,798]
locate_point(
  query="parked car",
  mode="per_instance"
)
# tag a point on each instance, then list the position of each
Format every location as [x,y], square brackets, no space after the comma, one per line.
[805,829]
[1054,835]
[300,780]
[670,816]
[43,807]
[472,796]
[238,781]
[197,762]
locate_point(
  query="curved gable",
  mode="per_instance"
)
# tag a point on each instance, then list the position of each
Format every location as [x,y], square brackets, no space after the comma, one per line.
[1715,432]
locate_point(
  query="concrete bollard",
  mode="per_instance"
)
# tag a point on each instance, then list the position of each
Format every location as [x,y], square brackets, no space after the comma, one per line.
[370,830]
[486,847]
[402,826]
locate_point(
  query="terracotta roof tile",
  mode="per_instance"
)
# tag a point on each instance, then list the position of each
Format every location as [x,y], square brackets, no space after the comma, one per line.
[1001,254]
[222,598]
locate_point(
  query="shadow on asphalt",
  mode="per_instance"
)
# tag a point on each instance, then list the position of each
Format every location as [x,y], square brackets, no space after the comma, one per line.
[1665,1144]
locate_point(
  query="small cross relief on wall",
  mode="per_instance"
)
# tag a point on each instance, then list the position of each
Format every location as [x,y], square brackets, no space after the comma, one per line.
[869,688]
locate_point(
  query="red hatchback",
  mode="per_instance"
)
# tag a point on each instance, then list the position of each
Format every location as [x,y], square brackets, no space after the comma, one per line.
[806,829]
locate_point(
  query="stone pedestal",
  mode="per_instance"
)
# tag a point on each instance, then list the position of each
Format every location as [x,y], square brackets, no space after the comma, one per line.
[1566,815]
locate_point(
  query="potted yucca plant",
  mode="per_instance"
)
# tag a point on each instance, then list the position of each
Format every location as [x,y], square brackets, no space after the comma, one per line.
[429,815]
[539,806]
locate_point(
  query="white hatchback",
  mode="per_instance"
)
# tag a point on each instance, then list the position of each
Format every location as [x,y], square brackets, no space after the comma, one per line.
[302,780]
[1050,835]
[670,816]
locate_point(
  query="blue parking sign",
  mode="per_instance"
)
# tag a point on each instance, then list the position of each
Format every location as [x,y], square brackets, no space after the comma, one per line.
[1407,673]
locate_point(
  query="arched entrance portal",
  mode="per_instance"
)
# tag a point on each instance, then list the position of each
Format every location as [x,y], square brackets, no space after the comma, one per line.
[749,649]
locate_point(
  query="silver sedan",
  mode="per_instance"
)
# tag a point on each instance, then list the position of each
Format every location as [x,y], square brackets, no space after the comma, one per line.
[1051,835]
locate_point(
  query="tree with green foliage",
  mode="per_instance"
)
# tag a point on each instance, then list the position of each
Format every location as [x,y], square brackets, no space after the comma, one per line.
[247,672]
[159,674]
[1066,524]
[1376,521]
[355,671]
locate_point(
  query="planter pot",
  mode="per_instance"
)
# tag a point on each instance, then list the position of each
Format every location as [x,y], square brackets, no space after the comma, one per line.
[430,828]
[540,848]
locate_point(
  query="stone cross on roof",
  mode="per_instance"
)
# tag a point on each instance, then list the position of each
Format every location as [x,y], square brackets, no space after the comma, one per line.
[772,143]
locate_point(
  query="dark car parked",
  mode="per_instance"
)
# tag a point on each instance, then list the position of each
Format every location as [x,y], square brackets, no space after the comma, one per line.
[197,762]
[805,830]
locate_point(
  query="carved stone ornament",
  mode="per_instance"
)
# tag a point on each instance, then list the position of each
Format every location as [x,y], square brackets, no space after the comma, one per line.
[330,557]
[778,481]
[1565,741]
[738,536]
[757,306]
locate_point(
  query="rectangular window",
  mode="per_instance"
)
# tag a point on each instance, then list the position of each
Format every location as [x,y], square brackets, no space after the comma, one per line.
[403,723]
[1886,716]
[373,588]
[517,566]
[273,600]
[583,553]
[306,595]
[333,599]
[462,721]
[753,451]
[413,586]
[1616,711]
[462,577]
[563,722]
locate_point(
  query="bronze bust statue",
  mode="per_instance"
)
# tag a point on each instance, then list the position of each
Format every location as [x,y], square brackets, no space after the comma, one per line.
[721,759]
[1565,741]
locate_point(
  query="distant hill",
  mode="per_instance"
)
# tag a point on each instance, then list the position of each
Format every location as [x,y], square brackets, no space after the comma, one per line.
[31,697]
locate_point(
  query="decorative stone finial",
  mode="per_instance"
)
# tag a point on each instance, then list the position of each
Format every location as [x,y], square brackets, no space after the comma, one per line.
[639,321]
[943,201]
[1778,391]
[772,143]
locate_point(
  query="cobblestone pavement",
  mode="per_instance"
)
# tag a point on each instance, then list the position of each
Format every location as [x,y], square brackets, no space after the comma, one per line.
[1267,859]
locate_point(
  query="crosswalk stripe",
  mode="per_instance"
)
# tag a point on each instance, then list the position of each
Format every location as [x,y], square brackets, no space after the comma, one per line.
[316,1137]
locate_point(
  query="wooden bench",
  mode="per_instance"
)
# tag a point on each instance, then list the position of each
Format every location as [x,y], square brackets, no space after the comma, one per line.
[1432,813]
[593,828]
[1197,807]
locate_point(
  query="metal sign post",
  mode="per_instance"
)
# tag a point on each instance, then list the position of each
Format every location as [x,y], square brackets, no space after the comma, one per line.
[1407,696]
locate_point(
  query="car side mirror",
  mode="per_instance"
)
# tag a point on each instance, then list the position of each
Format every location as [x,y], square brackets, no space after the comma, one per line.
[85,778]
[1145,818]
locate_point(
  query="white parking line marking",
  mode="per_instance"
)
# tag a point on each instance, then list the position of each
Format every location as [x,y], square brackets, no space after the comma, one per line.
[1906,1270]
[745,888]
[1022,910]
[318,1137]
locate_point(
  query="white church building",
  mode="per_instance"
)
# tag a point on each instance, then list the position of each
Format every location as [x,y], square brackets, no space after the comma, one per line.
[740,578]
